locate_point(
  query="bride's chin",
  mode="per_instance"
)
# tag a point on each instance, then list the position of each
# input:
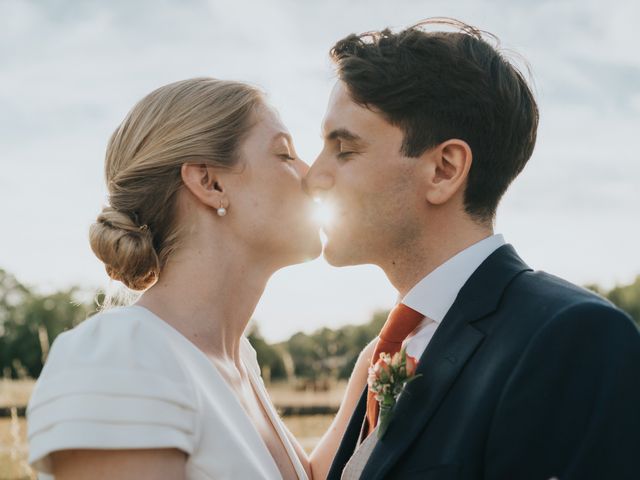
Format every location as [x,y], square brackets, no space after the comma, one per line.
[296,249]
[313,248]
[309,249]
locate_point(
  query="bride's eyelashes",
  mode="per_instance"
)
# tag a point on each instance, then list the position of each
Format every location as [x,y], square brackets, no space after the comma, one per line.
[286,157]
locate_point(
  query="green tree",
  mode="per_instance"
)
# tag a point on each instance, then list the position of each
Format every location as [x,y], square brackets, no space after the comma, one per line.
[13,295]
[30,322]
[304,354]
[332,353]
[269,356]
[626,297]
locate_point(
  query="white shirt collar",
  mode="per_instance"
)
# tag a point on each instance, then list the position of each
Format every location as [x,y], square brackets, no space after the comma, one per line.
[434,295]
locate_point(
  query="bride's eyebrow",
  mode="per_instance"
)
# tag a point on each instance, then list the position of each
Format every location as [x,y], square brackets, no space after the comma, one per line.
[284,135]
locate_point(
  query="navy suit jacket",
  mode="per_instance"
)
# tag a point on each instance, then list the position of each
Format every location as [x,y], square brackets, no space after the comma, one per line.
[527,377]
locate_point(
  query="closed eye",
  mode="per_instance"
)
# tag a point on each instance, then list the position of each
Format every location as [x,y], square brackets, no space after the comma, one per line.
[343,151]
[345,155]
[287,157]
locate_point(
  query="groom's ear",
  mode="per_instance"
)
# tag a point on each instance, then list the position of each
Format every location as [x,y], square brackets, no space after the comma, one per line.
[446,167]
[204,183]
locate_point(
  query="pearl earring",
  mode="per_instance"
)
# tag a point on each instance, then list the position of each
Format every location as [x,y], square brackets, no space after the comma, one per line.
[222,211]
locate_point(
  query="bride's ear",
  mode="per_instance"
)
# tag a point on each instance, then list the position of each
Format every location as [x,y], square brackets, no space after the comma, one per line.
[205,184]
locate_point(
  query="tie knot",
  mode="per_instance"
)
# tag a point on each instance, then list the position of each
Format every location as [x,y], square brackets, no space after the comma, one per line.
[402,320]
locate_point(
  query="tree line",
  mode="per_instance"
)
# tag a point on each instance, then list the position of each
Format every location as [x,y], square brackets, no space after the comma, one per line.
[30,322]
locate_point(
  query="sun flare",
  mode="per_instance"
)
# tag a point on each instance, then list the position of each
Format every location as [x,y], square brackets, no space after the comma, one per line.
[322,213]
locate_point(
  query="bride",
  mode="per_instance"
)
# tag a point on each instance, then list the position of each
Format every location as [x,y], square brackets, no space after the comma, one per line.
[205,204]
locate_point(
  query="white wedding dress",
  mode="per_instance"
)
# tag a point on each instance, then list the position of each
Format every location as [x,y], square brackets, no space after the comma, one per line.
[126,379]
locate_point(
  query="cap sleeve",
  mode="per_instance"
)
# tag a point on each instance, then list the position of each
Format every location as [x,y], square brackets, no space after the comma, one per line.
[112,382]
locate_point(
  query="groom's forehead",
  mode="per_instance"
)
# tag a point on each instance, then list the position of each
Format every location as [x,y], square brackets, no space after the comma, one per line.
[344,118]
[338,108]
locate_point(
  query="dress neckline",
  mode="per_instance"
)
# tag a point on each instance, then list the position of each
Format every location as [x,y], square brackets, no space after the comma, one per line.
[255,383]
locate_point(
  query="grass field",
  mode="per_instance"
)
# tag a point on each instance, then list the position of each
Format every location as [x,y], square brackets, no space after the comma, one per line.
[13,450]
[13,431]
[15,392]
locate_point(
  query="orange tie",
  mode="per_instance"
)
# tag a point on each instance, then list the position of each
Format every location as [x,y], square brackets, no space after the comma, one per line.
[401,321]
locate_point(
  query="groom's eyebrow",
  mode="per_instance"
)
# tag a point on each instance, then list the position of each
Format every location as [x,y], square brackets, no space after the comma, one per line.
[343,134]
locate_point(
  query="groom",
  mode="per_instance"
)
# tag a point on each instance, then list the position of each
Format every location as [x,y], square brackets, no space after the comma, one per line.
[522,375]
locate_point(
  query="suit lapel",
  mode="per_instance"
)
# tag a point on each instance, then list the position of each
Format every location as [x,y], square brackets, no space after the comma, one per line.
[454,342]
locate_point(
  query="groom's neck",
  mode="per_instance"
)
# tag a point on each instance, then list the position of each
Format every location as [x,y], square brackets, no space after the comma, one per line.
[406,265]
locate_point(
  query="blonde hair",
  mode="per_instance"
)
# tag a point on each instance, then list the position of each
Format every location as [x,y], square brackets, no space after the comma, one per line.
[200,120]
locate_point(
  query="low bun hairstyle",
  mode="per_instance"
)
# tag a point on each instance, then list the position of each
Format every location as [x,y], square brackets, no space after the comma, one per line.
[126,249]
[200,120]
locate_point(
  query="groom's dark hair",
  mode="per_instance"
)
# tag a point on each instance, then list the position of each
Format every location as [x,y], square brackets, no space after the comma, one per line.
[441,85]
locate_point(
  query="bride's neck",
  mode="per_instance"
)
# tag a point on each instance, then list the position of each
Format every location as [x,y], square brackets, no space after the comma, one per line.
[209,297]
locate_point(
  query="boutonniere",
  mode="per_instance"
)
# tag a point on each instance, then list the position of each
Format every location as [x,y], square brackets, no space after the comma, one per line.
[387,379]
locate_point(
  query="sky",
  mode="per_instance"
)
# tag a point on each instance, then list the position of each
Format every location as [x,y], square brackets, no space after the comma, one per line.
[70,71]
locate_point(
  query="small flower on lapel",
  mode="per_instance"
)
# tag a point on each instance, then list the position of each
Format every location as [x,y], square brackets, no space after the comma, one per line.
[387,379]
